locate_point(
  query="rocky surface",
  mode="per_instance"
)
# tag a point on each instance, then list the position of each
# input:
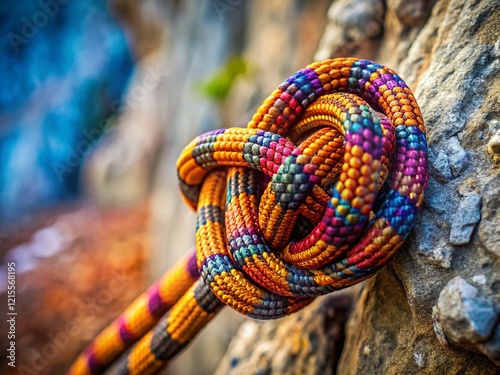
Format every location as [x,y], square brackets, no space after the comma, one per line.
[314,341]
[435,308]
[353,28]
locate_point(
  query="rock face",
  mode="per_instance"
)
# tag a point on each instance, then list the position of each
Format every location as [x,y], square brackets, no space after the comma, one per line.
[435,308]
[321,326]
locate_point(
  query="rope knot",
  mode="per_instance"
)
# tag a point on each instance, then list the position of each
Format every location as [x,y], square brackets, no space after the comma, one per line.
[316,194]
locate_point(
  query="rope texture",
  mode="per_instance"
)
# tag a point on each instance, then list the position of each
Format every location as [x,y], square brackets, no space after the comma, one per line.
[315,195]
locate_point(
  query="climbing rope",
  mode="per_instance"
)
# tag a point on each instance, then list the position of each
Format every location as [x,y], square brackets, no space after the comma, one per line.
[315,195]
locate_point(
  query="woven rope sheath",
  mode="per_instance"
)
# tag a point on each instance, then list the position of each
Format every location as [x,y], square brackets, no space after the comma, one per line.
[315,195]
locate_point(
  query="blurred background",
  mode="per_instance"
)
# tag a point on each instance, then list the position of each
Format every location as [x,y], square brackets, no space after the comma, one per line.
[97,100]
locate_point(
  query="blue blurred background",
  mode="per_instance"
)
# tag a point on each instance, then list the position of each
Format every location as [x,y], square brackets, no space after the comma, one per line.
[62,65]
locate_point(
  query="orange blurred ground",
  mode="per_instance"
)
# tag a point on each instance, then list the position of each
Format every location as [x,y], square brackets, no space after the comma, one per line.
[83,266]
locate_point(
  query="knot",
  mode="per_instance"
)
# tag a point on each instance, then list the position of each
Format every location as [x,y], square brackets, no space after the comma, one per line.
[315,195]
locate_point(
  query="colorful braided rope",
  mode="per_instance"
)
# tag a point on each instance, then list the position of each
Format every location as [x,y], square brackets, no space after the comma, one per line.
[315,195]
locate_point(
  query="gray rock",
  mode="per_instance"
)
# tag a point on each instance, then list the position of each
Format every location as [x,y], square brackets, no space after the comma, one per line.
[492,346]
[441,167]
[441,256]
[467,216]
[438,327]
[479,279]
[438,200]
[494,144]
[351,26]
[465,316]
[489,228]
[457,157]
[419,359]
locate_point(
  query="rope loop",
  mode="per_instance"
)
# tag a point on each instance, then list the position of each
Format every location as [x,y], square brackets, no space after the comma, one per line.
[316,194]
